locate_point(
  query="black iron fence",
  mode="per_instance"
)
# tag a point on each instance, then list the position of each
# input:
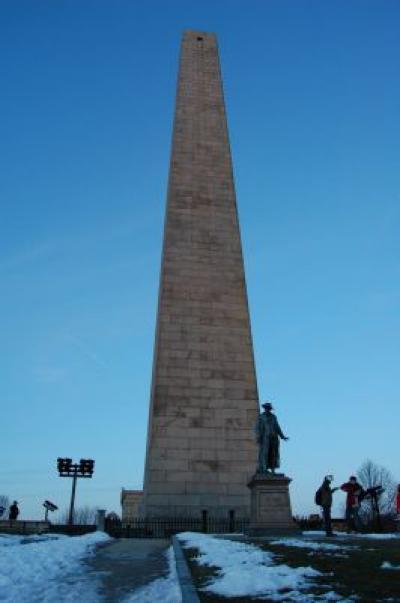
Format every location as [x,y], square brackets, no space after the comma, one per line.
[168,526]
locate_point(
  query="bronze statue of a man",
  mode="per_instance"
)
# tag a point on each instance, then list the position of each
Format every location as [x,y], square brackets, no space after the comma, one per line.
[268,433]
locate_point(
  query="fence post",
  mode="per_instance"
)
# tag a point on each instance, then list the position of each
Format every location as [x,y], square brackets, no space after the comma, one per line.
[204,521]
[100,519]
[231,521]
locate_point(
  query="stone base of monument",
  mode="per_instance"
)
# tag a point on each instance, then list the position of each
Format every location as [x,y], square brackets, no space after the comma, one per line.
[270,506]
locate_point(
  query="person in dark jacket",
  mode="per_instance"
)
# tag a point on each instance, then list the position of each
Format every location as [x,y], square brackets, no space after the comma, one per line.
[325,501]
[13,511]
[354,491]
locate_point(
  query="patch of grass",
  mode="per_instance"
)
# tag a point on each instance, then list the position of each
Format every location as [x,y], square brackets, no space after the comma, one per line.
[358,574]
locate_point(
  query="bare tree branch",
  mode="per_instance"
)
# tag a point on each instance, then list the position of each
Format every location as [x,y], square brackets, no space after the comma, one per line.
[5,503]
[82,516]
[369,475]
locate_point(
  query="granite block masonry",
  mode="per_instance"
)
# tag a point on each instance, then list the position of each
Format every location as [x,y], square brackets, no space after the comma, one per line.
[271,512]
[201,449]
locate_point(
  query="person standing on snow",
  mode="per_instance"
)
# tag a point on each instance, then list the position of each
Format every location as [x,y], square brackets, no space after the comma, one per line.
[354,490]
[13,511]
[323,498]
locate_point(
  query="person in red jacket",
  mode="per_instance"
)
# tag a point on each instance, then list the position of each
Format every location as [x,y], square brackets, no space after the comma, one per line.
[354,491]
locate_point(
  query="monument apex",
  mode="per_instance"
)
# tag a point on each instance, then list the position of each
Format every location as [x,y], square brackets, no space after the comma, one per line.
[201,449]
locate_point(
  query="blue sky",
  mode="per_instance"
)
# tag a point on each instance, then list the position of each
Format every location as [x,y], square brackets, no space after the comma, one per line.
[313,97]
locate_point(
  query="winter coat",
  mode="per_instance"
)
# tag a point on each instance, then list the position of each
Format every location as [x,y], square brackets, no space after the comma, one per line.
[353,492]
[326,494]
[14,512]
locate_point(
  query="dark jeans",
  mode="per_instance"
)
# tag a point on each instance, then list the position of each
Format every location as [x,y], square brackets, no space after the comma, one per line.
[326,513]
[353,519]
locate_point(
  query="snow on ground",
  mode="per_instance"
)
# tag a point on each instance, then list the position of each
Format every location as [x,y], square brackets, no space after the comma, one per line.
[338,550]
[389,566]
[14,539]
[161,590]
[246,570]
[47,568]
[375,536]
[354,535]
[50,569]
[310,544]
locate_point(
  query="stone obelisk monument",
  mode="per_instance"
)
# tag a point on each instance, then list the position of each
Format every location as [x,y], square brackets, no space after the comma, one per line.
[201,449]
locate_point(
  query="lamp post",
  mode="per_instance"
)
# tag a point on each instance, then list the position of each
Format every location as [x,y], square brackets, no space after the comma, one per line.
[66,468]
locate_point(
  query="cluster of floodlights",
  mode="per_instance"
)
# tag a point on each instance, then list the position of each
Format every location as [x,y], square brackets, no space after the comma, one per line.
[66,468]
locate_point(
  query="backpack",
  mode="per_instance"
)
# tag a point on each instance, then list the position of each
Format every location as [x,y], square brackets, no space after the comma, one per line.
[318,497]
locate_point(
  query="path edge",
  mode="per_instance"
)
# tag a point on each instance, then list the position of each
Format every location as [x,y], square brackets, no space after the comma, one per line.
[188,590]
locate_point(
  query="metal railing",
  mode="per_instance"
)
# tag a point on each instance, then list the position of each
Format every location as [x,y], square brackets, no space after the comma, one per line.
[168,526]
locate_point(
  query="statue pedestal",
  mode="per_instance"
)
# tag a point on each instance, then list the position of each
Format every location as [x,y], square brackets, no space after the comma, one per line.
[270,505]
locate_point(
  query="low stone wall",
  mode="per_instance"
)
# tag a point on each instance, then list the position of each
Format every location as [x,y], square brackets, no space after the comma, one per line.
[23,527]
[75,530]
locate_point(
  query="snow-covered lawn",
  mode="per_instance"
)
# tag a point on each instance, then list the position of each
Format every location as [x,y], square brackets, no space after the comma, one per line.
[47,569]
[389,566]
[247,570]
[344,535]
[51,569]
[315,547]
[305,543]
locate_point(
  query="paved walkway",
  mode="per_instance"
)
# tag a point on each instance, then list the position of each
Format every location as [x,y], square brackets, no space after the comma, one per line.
[127,564]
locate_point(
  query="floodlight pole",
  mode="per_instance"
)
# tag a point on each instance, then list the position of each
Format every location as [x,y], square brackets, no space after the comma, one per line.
[71,507]
[66,468]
